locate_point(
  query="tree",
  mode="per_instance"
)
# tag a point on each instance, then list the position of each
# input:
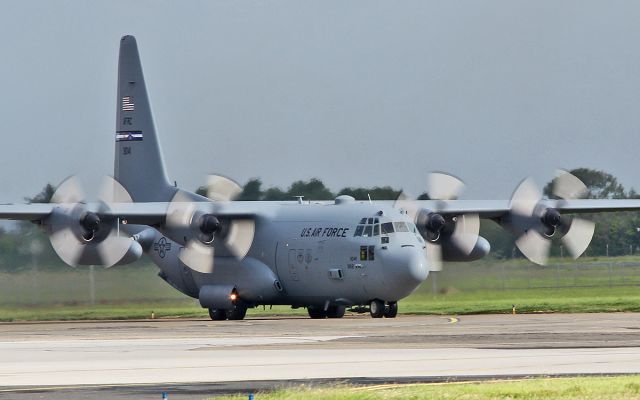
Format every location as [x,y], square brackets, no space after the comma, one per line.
[314,189]
[252,190]
[275,194]
[44,196]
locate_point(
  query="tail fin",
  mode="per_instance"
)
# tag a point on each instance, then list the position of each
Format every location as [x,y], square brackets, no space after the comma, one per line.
[138,160]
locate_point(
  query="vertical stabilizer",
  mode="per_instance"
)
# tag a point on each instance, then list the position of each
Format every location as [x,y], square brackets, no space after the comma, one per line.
[138,160]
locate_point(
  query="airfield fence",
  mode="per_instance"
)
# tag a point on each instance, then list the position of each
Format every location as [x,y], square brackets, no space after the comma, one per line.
[139,283]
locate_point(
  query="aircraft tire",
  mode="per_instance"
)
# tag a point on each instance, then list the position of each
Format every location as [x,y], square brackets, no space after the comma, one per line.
[316,313]
[391,310]
[376,308]
[336,312]
[217,314]
[237,313]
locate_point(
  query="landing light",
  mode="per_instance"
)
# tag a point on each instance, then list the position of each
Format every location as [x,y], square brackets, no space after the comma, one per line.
[233,296]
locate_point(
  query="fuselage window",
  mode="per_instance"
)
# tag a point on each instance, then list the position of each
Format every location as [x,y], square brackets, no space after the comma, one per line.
[376,230]
[359,230]
[363,253]
[387,228]
[367,231]
[371,253]
[400,227]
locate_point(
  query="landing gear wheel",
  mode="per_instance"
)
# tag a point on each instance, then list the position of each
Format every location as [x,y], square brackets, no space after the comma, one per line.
[217,315]
[391,310]
[316,313]
[237,312]
[376,308]
[335,312]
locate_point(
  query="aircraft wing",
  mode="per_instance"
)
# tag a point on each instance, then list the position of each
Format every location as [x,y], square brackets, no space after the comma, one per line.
[498,208]
[153,213]
[150,213]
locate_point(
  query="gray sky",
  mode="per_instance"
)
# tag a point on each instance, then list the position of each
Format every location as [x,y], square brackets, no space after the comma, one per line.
[356,93]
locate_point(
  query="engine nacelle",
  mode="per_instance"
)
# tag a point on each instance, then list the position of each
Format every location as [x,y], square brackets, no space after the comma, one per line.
[450,252]
[218,296]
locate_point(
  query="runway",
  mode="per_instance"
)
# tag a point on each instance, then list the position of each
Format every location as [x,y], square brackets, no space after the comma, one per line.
[162,353]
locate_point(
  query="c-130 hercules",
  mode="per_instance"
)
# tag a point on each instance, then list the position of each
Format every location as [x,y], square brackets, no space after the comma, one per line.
[324,256]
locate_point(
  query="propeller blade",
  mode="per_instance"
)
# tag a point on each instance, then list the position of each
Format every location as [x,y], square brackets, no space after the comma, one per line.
[220,188]
[525,198]
[66,245]
[111,191]
[113,249]
[69,191]
[579,236]
[180,211]
[198,256]
[568,186]
[467,230]
[534,247]
[240,237]
[407,204]
[441,186]
[434,256]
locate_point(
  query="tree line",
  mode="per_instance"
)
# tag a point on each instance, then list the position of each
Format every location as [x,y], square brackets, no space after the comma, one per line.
[616,233]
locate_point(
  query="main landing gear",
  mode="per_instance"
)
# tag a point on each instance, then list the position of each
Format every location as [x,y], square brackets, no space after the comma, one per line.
[238,312]
[378,309]
[331,312]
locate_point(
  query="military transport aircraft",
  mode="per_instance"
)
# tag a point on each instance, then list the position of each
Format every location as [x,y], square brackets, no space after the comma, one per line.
[324,256]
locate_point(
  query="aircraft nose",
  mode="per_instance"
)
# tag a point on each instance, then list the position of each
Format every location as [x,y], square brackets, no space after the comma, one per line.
[406,268]
[416,265]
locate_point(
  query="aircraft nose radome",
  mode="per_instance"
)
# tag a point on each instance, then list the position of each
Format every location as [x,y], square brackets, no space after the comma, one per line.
[406,268]
[416,266]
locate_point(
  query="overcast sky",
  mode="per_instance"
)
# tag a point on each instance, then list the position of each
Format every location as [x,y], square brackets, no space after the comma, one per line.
[353,92]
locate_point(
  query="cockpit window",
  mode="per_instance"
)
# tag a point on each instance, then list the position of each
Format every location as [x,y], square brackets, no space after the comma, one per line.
[401,227]
[359,230]
[370,221]
[367,231]
[387,228]
[376,230]
[363,221]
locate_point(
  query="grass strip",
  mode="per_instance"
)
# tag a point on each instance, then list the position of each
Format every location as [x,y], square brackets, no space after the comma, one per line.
[588,388]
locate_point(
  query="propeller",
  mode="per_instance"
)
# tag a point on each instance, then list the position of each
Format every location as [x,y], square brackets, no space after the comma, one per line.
[535,222]
[81,234]
[206,233]
[461,230]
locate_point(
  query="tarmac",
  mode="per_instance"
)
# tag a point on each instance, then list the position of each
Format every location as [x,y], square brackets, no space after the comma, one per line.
[196,359]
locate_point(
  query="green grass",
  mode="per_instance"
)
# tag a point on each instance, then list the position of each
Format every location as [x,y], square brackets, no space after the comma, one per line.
[588,388]
[487,286]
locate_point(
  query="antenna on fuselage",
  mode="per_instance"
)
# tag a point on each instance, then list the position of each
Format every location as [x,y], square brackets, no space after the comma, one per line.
[369,196]
[299,199]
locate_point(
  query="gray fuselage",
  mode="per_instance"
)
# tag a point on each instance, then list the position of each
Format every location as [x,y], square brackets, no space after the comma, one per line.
[313,254]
